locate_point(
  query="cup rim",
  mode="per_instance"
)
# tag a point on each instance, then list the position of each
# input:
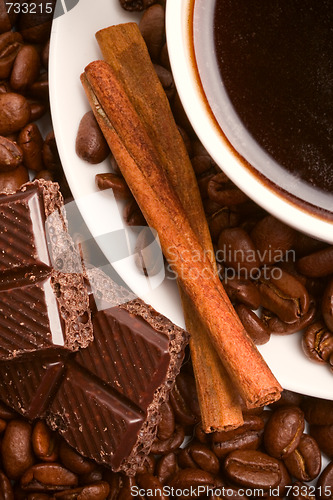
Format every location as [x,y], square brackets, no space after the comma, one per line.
[179,32]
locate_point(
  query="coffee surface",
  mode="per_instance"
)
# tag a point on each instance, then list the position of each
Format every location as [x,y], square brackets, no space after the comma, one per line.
[276,63]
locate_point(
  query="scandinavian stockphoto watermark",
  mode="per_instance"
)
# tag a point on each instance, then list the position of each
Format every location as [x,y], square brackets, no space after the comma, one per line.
[248,265]
[136,251]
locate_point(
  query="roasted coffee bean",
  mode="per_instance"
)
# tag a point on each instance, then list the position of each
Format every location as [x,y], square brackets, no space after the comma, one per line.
[164,57]
[290,267]
[45,55]
[37,109]
[166,427]
[152,27]
[19,494]
[44,443]
[203,164]
[304,463]
[14,113]
[327,306]
[11,155]
[238,251]
[3,425]
[184,400]
[6,413]
[17,455]
[31,142]
[252,469]
[160,447]
[25,69]
[201,435]
[203,182]
[324,487]
[45,174]
[317,342]
[91,145]
[193,479]
[223,192]
[35,27]
[283,431]
[150,482]
[115,182]
[244,291]
[323,434]
[246,437]
[288,398]
[166,467]
[48,477]
[273,240]
[11,181]
[10,44]
[64,187]
[39,89]
[37,496]
[317,264]
[93,477]
[210,207]
[96,491]
[221,218]
[6,490]
[74,461]
[114,481]
[305,245]
[197,455]
[179,114]
[114,166]
[125,492]
[50,153]
[7,17]
[136,4]
[167,81]
[198,148]
[147,253]
[253,325]
[133,215]
[4,87]
[148,466]
[318,411]
[283,294]
[278,327]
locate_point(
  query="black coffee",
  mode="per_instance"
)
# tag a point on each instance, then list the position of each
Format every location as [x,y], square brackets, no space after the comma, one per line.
[276,63]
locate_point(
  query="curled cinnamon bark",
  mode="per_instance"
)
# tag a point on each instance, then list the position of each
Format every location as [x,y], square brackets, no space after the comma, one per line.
[122,46]
[137,158]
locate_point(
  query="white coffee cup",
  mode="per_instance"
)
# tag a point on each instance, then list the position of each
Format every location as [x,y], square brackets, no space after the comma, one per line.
[189,25]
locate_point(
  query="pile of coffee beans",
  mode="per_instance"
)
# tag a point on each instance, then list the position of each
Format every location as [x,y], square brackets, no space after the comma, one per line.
[271,455]
[24,96]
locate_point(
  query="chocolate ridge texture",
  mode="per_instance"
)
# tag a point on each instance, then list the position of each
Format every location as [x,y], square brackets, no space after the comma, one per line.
[43,300]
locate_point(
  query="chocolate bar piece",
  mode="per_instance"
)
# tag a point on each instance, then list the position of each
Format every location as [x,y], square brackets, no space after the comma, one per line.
[105,399]
[43,300]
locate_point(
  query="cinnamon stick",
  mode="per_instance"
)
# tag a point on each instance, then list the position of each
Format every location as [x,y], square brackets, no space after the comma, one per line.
[138,161]
[124,49]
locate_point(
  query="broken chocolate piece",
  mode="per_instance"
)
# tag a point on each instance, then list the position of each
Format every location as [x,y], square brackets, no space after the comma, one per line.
[105,399]
[28,386]
[43,300]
